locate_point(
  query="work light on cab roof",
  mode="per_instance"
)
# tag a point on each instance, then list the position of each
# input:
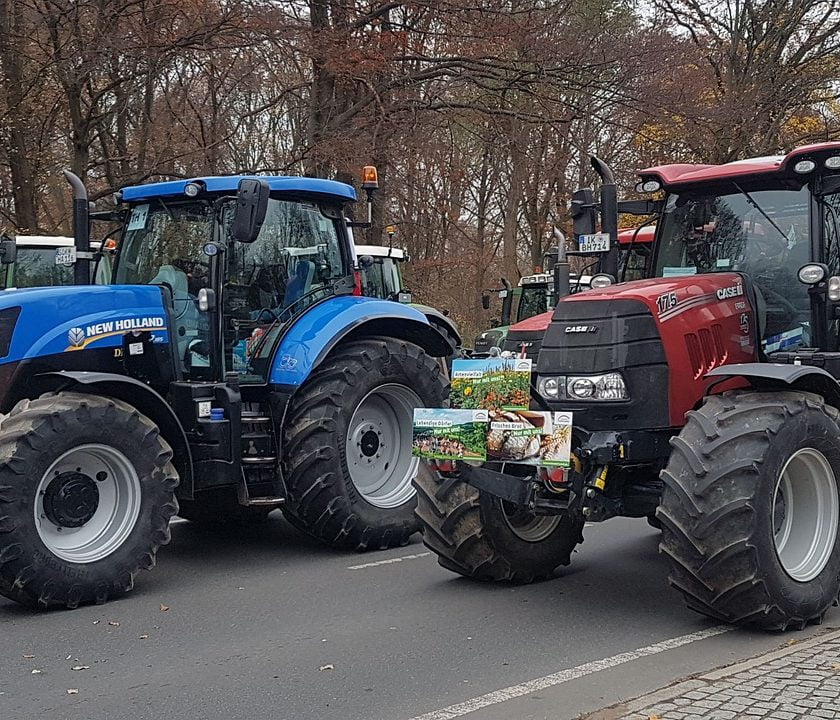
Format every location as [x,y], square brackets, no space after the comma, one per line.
[370,178]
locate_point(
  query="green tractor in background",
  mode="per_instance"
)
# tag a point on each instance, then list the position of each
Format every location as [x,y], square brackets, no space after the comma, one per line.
[535,293]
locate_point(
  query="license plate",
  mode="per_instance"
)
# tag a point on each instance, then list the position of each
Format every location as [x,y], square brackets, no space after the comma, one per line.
[597,243]
[65,255]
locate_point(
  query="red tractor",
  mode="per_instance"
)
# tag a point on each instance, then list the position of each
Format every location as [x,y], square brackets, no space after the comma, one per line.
[704,398]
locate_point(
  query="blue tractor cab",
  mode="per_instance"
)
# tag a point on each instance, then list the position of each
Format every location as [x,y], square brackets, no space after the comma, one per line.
[228,370]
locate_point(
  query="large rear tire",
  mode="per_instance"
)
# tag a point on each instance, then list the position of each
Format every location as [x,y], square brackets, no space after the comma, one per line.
[481,537]
[86,494]
[347,443]
[751,509]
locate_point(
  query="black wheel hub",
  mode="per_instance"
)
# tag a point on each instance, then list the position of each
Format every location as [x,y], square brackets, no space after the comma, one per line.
[370,443]
[71,499]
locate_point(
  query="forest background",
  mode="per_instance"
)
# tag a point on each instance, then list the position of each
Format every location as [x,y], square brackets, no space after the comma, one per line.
[479,114]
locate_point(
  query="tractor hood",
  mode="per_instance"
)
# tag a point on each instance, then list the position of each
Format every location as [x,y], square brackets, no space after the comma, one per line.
[38,322]
[651,331]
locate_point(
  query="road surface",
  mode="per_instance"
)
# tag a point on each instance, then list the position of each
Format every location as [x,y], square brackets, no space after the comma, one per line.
[266,623]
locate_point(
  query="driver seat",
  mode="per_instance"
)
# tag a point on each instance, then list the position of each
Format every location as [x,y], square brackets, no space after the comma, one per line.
[301,283]
[186,312]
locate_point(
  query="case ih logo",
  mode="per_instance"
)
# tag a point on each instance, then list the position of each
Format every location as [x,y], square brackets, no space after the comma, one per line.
[581,329]
[730,292]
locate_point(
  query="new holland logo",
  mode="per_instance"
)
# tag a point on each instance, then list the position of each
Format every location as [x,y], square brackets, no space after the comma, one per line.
[79,338]
[76,337]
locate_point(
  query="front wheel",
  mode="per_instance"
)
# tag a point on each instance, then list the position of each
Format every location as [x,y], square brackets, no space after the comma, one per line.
[482,537]
[347,443]
[86,495]
[751,509]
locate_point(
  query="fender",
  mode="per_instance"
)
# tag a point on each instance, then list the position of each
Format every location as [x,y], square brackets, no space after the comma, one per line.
[782,375]
[436,317]
[147,401]
[323,326]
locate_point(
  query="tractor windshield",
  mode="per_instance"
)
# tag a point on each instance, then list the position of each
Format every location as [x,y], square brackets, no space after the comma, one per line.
[382,279]
[762,233]
[534,301]
[35,267]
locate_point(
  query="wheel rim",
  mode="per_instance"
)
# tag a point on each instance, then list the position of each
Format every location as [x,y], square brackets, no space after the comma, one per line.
[527,526]
[806,508]
[87,503]
[378,447]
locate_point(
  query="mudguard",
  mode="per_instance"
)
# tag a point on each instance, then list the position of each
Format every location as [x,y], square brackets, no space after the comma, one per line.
[436,317]
[324,325]
[801,377]
[147,401]
[61,319]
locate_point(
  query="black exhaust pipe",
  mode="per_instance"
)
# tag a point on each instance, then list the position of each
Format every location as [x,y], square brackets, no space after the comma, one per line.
[81,229]
[609,214]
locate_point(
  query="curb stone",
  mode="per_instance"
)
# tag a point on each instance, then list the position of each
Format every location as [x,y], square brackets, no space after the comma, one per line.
[701,680]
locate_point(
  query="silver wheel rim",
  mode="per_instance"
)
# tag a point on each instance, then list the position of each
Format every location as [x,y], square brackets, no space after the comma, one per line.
[82,539]
[527,526]
[378,447]
[806,509]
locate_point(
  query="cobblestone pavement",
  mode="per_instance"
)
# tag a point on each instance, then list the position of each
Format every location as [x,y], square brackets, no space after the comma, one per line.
[799,681]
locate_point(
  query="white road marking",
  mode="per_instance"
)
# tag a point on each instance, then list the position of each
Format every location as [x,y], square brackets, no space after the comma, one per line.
[558,678]
[388,561]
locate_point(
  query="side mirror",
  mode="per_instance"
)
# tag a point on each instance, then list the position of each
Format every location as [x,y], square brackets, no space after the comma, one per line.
[8,250]
[485,301]
[251,207]
[365,261]
[583,212]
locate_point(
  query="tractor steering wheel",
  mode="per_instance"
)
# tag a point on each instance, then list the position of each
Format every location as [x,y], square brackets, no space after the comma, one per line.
[275,317]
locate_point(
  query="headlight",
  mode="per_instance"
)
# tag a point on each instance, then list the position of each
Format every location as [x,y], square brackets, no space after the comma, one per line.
[581,388]
[609,386]
[549,387]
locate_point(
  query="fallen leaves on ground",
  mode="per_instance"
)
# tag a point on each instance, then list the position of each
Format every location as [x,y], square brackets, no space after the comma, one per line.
[144,637]
[36,671]
[329,666]
[114,623]
[28,657]
[72,691]
[164,608]
[80,667]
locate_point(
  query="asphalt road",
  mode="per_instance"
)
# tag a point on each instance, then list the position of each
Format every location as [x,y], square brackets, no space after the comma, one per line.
[268,624]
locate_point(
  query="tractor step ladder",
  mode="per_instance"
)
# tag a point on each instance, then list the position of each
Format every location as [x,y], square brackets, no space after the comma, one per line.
[259,460]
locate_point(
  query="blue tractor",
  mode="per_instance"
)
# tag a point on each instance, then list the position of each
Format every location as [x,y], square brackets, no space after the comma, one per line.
[229,370]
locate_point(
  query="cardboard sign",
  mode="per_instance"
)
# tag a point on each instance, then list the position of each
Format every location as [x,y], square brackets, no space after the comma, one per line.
[530,438]
[491,384]
[524,437]
[441,434]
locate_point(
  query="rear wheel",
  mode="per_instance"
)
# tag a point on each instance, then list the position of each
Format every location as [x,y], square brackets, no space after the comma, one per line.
[86,495]
[751,509]
[347,443]
[482,537]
